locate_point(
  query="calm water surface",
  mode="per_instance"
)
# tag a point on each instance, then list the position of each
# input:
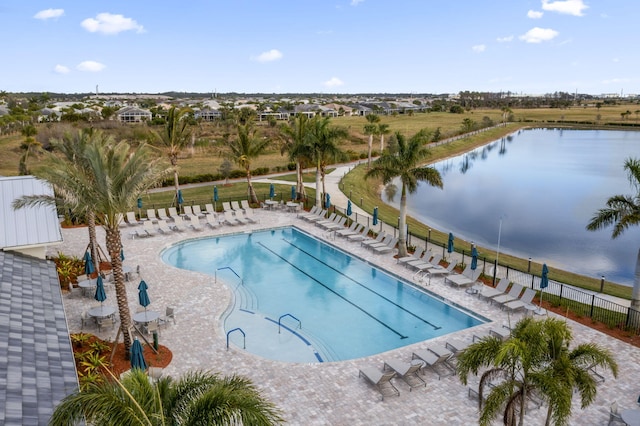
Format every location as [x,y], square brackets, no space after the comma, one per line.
[543,186]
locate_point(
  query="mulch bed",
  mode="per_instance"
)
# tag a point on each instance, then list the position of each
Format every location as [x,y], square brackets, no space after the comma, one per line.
[120,364]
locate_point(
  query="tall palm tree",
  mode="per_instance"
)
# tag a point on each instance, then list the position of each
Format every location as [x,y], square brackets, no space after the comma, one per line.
[295,133]
[29,146]
[322,147]
[197,398]
[383,129]
[175,136]
[623,211]
[535,359]
[405,163]
[247,146]
[371,129]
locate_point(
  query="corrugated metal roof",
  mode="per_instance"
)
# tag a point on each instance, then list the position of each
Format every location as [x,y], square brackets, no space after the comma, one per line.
[30,226]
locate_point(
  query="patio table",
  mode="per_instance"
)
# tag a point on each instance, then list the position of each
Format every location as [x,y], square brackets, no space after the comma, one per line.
[102,311]
[271,204]
[86,285]
[146,317]
[631,417]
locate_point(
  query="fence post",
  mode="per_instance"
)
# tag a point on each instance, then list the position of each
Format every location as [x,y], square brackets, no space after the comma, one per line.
[561,288]
[602,284]
[495,271]
[593,301]
[529,266]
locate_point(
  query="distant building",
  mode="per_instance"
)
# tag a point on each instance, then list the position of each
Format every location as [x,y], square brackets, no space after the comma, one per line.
[133,114]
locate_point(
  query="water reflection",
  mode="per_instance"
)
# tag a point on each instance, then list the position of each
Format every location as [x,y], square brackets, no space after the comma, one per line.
[548,184]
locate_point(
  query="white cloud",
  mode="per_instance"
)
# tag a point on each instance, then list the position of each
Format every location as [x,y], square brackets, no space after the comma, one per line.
[107,23]
[479,48]
[616,59]
[534,14]
[504,39]
[567,7]
[333,82]
[616,81]
[49,14]
[90,66]
[538,35]
[356,2]
[268,56]
[61,69]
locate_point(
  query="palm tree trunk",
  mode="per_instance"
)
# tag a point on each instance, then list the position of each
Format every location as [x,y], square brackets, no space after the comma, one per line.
[318,186]
[381,143]
[402,232]
[174,163]
[114,245]
[635,296]
[301,193]
[93,239]
[370,149]
[253,198]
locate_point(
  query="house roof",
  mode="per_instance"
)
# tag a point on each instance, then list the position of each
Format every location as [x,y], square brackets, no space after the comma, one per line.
[29,226]
[37,366]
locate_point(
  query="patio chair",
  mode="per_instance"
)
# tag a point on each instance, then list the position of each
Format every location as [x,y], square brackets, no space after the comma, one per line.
[313,211]
[179,224]
[163,226]
[464,279]
[360,236]
[375,240]
[230,219]
[513,294]
[339,224]
[226,207]
[195,223]
[187,211]
[173,212]
[318,217]
[599,378]
[155,373]
[351,230]
[407,371]
[502,333]
[120,219]
[388,248]
[424,263]
[151,215]
[236,206]
[209,208]
[245,205]
[131,219]
[416,255]
[169,314]
[614,414]
[434,362]
[152,327]
[212,220]
[85,319]
[524,300]
[381,380]
[162,214]
[323,222]
[105,322]
[197,211]
[499,289]
[147,226]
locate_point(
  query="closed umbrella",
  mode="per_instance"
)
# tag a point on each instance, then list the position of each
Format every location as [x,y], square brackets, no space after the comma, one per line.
[544,283]
[349,208]
[100,295]
[293,192]
[122,254]
[375,216]
[272,191]
[88,264]
[327,200]
[474,258]
[143,296]
[215,197]
[180,199]
[137,356]
[450,243]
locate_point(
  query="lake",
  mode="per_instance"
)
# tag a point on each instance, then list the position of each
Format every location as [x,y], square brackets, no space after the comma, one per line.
[538,189]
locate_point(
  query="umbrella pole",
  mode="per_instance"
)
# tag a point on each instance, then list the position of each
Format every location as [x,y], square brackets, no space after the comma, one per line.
[539,310]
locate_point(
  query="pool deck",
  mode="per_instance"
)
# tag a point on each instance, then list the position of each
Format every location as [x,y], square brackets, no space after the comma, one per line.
[321,393]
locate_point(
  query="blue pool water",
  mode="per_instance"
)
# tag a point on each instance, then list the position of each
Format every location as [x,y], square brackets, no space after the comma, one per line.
[333,306]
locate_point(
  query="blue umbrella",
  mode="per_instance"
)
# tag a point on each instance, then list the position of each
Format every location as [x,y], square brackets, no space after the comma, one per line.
[272,191]
[327,200]
[293,192]
[215,193]
[180,199]
[544,283]
[137,356]
[88,264]
[100,295]
[143,296]
[121,254]
[139,203]
[474,258]
[349,208]
[375,216]
[450,243]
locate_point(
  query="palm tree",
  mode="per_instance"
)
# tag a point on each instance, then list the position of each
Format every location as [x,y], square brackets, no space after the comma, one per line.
[371,129]
[197,398]
[321,146]
[29,146]
[383,129]
[295,134]
[535,360]
[174,138]
[405,163]
[245,148]
[623,211]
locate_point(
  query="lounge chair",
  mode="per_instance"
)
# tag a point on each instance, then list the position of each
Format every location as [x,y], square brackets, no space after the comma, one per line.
[360,236]
[235,206]
[416,255]
[499,289]
[120,219]
[151,215]
[322,215]
[513,294]
[423,264]
[173,212]
[381,380]
[179,224]
[212,220]
[456,347]
[245,205]
[468,277]
[375,240]
[209,208]
[314,210]
[407,371]
[434,362]
[502,333]
[250,216]
[388,248]
[226,206]
[440,270]
[163,226]
[230,219]
[351,230]
[337,225]
[524,300]
[195,223]
[328,221]
[197,211]
[131,219]
[162,214]
[147,226]
[385,240]
[187,211]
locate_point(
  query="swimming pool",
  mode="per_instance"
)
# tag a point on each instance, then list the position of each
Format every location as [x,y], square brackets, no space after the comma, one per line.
[299,299]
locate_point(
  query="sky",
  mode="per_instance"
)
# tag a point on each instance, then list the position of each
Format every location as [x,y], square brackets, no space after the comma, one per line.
[320,46]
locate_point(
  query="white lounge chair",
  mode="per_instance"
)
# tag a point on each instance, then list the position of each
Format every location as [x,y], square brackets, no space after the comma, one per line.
[245,205]
[351,230]
[524,300]
[188,211]
[173,213]
[435,362]
[388,248]
[513,294]
[235,206]
[416,255]
[179,224]
[328,221]
[407,371]
[131,219]
[163,226]
[147,226]
[209,208]
[194,222]
[381,380]
[226,206]
[230,219]
[250,216]
[120,219]
[212,220]
[375,240]
[198,211]
[162,214]
[385,241]
[424,264]
[360,236]
[313,211]
[151,215]
[499,289]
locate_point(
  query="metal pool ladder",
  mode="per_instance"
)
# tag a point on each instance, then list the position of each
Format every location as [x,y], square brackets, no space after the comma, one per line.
[288,315]
[244,337]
